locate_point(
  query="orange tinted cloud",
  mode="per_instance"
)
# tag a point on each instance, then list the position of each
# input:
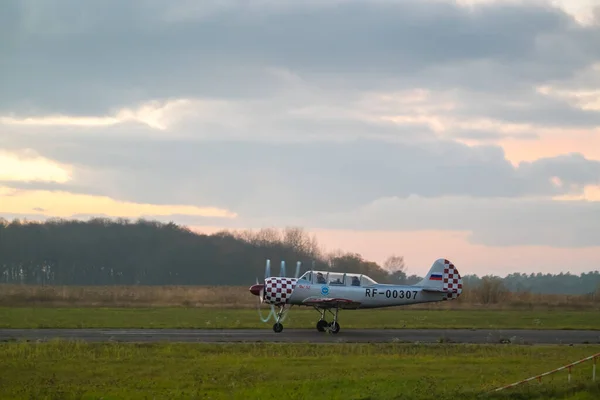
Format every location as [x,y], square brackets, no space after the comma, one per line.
[64,204]
[590,193]
[28,166]
[552,144]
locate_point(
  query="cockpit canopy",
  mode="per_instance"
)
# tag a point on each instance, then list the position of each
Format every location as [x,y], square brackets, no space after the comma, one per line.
[337,278]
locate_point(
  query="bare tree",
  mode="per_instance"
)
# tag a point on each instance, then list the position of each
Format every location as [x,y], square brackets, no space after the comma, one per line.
[394,263]
[396,267]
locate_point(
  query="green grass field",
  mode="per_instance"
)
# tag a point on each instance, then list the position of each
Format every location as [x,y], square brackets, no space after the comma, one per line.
[289,371]
[164,317]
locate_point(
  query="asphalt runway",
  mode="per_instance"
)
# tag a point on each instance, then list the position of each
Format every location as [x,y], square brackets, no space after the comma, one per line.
[481,336]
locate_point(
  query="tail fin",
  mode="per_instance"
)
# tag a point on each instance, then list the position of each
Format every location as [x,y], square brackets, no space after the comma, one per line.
[443,277]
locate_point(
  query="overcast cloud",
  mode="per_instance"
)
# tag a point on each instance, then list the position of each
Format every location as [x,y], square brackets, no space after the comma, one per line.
[331,114]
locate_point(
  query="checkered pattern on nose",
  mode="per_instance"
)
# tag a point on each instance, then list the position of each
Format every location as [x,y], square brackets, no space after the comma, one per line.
[278,290]
[451,280]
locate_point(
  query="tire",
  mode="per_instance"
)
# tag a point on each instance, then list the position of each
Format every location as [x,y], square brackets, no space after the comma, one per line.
[322,325]
[334,327]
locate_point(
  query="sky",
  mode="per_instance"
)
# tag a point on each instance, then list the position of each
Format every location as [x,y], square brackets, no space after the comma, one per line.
[466,129]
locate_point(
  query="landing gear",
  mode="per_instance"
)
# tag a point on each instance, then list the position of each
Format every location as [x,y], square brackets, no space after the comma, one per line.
[331,327]
[278,327]
[322,325]
[334,327]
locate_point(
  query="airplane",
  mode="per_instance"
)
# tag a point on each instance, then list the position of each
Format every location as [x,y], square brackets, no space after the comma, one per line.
[327,291]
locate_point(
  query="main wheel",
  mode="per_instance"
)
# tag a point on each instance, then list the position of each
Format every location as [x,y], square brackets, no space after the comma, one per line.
[277,327]
[321,325]
[334,327]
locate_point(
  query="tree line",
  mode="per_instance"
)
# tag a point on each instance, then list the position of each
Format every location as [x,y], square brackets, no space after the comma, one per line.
[103,251]
[562,283]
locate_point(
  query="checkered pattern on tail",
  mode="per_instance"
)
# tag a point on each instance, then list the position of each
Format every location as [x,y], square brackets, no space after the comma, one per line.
[452,282]
[278,290]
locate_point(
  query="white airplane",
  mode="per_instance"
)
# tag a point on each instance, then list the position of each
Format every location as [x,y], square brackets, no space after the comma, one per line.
[327,291]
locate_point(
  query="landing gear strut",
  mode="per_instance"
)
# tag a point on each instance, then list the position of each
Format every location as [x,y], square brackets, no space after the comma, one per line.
[278,327]
[323,326]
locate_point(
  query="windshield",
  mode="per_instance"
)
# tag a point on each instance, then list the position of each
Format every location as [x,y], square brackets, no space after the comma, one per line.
[307,276]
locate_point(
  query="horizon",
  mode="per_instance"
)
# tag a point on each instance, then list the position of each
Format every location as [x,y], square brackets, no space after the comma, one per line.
[466,130]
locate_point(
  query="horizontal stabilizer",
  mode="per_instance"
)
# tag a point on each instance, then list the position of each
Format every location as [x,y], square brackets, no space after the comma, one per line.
[434,290]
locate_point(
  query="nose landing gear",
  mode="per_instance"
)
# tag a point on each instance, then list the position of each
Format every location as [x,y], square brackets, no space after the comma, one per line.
[278,327]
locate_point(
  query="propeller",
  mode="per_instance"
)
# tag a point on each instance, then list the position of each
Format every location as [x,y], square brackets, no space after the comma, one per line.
[261,295]
[259,290]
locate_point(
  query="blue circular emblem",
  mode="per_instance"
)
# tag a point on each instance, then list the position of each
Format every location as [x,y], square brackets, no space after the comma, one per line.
[325,290]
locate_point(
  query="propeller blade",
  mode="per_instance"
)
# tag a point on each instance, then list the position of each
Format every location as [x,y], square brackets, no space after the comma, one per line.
[268,317]
[271,311]
[282,269]
[297,269]
[268,269]
[283,317]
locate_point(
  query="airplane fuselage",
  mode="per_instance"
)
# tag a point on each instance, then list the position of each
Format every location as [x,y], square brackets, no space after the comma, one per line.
[380,295]
[293,291]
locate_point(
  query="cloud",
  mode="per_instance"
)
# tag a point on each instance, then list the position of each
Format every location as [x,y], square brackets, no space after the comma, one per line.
[228,50]
[257,178]
[27,166]
[152,114]
[582,91]
[535,107]
[254,70]
[572,169]
[302,114]
[65,204]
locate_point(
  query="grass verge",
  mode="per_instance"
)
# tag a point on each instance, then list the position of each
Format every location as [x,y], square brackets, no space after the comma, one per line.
[164,317]
[73,370]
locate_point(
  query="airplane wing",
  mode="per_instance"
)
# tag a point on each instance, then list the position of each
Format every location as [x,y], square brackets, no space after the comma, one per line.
[331,302]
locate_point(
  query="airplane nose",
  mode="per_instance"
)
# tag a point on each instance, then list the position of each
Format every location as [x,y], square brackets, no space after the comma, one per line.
[255,289]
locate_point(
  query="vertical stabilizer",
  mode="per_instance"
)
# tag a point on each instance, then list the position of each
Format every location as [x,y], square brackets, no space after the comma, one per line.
[443,277]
